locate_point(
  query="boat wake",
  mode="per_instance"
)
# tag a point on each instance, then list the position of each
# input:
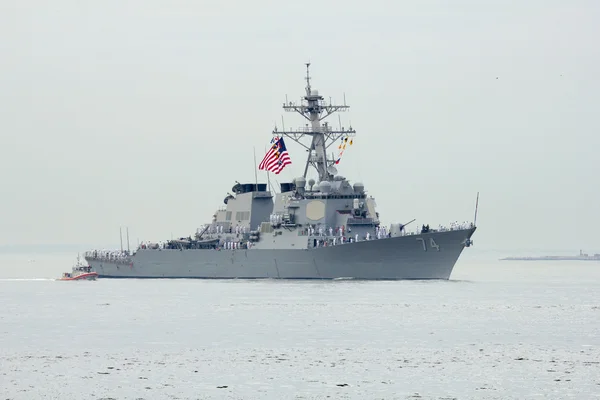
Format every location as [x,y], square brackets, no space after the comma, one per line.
[25,279]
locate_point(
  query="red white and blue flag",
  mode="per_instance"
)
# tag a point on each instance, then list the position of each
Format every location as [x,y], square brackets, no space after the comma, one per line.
[276,158]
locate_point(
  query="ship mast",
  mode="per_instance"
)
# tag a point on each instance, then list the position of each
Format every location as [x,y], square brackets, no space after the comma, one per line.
[314,108]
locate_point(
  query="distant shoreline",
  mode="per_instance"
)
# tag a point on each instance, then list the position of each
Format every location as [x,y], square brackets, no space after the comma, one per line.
[551,258]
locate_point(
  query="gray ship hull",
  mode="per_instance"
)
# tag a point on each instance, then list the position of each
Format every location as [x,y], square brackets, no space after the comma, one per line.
[429,255]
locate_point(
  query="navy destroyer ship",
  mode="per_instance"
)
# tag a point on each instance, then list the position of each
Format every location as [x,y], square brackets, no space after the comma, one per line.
[318,226]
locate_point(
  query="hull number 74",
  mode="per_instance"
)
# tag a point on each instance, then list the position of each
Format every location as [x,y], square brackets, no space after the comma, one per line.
[432,244]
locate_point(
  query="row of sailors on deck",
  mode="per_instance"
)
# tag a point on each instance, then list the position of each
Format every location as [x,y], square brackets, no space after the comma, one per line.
[218,229]
[107,255]
[332,241]
[380,232]
[455,226]
[338,231]
[234,245]
[215,229]
[276,219]
[316,242]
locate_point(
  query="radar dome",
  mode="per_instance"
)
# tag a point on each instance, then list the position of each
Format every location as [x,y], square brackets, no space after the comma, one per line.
[300,185]
[359,187]
[311,183]
[325,187]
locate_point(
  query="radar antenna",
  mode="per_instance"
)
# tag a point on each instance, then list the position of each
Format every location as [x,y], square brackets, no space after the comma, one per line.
[307,79]
[314,108]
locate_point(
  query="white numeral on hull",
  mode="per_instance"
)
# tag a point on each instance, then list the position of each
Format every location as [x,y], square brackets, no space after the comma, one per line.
[432,244]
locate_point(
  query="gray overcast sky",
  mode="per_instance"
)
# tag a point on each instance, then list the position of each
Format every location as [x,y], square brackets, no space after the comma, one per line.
[144,113]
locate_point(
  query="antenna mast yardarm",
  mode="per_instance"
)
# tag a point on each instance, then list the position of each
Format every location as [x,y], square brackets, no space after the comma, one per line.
[313,107]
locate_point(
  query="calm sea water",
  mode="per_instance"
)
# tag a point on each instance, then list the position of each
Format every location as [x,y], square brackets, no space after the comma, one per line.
[496,330]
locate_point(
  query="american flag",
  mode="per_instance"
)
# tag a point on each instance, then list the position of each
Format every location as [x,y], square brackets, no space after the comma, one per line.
[276,158]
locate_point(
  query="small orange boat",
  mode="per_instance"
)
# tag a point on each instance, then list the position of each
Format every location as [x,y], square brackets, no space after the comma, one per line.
[80,272]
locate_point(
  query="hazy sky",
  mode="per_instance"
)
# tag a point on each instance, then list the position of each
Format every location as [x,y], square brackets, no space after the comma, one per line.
[145,113]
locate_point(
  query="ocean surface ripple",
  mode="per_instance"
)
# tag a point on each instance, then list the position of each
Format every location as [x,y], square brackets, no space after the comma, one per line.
[495,331]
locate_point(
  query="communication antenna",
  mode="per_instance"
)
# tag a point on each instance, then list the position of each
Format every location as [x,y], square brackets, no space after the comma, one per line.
[255,167]
[476,205]
[307,78]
